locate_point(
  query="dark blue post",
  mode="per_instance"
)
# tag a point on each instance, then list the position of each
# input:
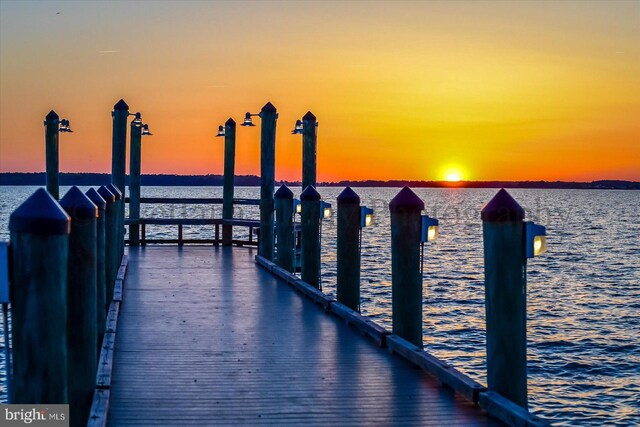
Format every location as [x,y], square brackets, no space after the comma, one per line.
[309,149]
[119,222]
[51,140]
[284,227]
[81,303]
[119,160]
[348,250]
[269,116]
[505,294]
[135,154]
[406,280]
[110,243]
[39,251]
[101,277]
[229,174]
[310,224]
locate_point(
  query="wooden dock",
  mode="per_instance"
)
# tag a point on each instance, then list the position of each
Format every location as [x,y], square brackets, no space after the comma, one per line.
[206,337]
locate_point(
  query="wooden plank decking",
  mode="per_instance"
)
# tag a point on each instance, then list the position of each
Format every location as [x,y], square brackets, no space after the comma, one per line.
[205,337]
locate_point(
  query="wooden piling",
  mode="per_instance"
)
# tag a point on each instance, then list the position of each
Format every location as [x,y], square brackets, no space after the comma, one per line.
[406,280]
[39,250]
[310,225]
[82,360]
[119,222]
[112,263]
[269,115]
[51,141]
[284,227]
[229,173]
[135,153]
[505,297]
[309,149]
[119,159]
[348,249]
[101,273]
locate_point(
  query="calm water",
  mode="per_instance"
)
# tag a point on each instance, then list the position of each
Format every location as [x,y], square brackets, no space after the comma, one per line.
[583,294]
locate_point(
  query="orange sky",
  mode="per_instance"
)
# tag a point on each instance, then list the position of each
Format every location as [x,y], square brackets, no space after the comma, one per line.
[513,91]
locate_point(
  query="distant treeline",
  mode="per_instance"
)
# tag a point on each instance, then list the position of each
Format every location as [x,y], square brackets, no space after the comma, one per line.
[38,178]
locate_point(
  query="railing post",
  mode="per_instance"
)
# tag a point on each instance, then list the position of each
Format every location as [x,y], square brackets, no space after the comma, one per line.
[51,141]
[309,150]
[39,252]
[505,293]
[81,304]
[269,116]
[348,250]
[180,243]
[406,280]
[101,280]
[119,222]
[284,227]
[310,224]
[229,173]
[135,137]
[119,159]
[110,243]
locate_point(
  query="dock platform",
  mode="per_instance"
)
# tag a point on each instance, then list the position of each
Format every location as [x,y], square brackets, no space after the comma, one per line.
[206,337]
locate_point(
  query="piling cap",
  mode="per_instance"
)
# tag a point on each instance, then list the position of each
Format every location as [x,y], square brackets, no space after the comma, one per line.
[116,192]
[40,214]
[406,201]
[106,195]
[309,117]
[268,107]
[121,105]
[502,208]
[310,193]
[78,205]
[231,123]
[52,116]
[283,193]
[96,198]
[348,197]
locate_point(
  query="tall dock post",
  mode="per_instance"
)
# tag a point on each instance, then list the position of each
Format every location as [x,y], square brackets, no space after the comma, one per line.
[310,239]
[135,153]
[269,115]
[51,141]
[119,159]
[119,223]
[101,273]
[284,227]
[505,293]
[82,360]
[110,243]
[348,251]
[406,280]
[39,250]
[309,149]
[229,174]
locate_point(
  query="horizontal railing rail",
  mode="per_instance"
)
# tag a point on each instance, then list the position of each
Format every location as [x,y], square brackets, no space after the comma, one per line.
[194,201]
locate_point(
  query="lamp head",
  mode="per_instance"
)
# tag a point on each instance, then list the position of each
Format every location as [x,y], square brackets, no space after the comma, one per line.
[145,130]
[536,239]
[221,131]
[65,126]
[297,206]
[429,229]
[366,216]
[298,129]
[325,210]
[247,120]
[137,120]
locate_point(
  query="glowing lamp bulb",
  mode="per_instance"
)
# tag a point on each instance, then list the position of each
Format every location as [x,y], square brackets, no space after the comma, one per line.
[536,239]
[429,229]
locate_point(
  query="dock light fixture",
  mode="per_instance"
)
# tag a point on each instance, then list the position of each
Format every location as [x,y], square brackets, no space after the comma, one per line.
[366,216]
[429,229]
[65,126]
[298,129]
[145,130]
[536,239]
[221,131]
[297,206]
[247,119]
[137,121]
[325,210]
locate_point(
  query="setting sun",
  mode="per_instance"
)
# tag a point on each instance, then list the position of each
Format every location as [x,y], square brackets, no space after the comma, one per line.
[452,175]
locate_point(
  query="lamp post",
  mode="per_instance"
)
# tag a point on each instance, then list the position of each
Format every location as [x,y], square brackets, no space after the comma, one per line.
[228,131]
[53,126]
[138,129]
[119,115]
[308,128]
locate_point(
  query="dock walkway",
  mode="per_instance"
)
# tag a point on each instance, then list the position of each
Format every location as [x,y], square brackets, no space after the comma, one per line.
[206,337]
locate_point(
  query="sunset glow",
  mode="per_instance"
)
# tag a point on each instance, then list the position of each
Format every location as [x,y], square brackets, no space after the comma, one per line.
[511,90]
